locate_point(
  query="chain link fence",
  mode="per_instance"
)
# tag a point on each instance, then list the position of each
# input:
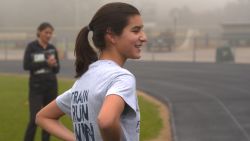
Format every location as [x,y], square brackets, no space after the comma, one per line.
[188,48]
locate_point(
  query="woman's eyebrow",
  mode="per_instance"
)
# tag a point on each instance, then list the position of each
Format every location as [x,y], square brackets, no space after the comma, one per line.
[137,27]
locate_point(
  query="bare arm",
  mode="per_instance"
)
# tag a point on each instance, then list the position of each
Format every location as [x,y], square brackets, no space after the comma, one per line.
[109,118]
[47,119]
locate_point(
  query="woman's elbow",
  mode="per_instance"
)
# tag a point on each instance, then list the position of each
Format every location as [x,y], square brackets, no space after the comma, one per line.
[38,118]
[105,123]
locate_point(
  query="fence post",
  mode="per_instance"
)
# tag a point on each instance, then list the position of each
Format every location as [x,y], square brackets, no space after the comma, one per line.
[152,55]
[5,51]
[66,45]
[194,49]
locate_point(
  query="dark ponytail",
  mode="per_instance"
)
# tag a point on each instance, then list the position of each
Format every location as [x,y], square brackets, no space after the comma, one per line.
[113,16]
[85,54]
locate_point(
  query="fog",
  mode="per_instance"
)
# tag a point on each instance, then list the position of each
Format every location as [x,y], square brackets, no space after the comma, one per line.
[197,5]
[205,86]
[29,13]
[159,15]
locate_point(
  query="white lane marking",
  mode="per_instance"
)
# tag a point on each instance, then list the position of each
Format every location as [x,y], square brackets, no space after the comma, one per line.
[205,94]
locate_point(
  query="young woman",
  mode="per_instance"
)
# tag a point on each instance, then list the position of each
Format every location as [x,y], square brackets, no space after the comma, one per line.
[41,60]
[102,103]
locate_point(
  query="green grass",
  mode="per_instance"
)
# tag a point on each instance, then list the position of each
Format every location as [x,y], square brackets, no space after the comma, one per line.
[14,110]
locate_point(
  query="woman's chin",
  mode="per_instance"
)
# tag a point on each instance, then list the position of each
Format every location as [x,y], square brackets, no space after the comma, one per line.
[136,57]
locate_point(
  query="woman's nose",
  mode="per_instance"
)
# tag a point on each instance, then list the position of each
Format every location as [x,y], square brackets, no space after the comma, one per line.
[143,37]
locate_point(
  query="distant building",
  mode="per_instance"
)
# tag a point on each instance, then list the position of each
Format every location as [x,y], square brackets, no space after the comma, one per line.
[236,34]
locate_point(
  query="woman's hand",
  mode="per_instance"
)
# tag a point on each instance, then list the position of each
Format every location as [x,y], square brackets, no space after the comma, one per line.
[48,119]
[51,61]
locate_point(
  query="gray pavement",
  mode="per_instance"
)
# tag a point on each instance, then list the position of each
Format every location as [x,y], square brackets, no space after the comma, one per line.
[208,102]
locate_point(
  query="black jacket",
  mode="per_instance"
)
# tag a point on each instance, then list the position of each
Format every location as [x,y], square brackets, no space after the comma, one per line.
[35,61]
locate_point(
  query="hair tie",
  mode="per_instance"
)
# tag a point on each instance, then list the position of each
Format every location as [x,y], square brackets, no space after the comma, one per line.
[89,28]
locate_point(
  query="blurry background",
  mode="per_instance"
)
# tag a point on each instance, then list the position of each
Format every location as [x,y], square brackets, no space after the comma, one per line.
[196,62]
[180,30]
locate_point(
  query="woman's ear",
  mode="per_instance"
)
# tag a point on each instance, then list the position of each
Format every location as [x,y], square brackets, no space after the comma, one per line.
[110,36]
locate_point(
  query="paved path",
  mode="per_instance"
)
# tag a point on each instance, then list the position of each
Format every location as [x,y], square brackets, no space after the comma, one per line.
[208,102]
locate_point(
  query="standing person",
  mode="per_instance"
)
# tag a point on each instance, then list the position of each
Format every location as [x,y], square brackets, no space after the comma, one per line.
[41,60]
[102,103]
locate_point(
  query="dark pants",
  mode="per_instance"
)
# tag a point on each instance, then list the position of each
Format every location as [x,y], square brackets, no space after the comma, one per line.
[38,98]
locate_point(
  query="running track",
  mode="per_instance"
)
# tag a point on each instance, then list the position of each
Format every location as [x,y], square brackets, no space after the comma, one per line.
[208,102]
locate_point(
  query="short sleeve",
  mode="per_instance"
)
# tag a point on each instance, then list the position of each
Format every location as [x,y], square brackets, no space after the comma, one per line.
[64,101]
[124,86]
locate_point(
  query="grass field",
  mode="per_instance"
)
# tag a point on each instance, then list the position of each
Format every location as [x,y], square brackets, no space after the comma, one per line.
[14,110]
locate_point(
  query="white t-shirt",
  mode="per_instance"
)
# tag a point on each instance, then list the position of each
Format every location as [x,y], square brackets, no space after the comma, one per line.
[84,100]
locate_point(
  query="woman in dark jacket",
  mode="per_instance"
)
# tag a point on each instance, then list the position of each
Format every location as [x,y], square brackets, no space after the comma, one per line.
[41,60]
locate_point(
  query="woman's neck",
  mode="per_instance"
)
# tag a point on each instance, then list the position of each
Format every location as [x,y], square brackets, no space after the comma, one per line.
[43,44]
[119,59]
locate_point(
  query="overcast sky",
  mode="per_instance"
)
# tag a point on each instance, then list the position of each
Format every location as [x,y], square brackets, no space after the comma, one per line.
[196,5]
[52,10]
